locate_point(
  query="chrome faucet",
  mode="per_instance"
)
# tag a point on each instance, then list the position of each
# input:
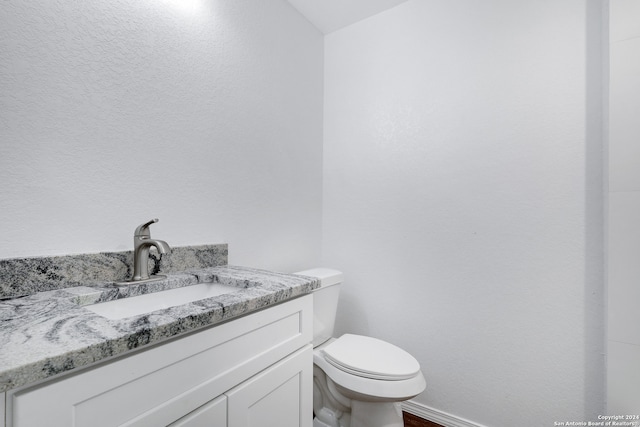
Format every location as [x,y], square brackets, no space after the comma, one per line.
[142,241]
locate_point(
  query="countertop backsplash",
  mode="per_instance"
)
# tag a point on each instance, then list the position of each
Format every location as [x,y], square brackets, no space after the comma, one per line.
[27,276]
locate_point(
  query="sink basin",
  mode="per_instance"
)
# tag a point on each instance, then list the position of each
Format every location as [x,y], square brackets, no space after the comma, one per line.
[141,304]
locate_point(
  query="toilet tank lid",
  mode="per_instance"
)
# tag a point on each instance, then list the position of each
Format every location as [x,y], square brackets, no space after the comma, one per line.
[327,276]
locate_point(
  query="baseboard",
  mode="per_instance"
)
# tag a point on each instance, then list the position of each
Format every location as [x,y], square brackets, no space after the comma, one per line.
[439,417]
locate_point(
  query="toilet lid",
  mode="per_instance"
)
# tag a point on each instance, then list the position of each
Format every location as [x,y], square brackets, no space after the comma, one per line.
[371,358]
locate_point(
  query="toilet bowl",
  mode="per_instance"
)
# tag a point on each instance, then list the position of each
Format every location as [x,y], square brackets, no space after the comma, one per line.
[359,381]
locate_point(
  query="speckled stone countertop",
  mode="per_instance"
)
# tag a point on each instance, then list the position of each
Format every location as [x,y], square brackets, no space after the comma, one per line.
[51,332]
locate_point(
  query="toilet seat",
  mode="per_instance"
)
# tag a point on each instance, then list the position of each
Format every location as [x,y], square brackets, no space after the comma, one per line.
[371,358]
[367,389]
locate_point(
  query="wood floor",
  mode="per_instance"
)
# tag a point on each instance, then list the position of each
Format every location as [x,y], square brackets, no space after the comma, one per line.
[413,421]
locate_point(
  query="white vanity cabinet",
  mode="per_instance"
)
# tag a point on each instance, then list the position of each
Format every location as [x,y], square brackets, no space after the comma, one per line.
[252,371]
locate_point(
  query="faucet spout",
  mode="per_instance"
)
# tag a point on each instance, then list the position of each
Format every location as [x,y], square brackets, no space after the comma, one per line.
[141,257]
[162,246]
[142,242]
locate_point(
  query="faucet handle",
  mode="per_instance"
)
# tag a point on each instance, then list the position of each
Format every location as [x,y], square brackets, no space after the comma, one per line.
[143,230]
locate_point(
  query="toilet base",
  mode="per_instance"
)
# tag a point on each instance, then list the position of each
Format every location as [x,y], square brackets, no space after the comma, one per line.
[328,418]
[363,414]
[376,414]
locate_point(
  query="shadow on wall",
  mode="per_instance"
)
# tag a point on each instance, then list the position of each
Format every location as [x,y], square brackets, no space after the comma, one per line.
[594,321]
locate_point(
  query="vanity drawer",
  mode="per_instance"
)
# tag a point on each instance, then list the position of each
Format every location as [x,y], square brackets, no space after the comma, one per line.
[159,385]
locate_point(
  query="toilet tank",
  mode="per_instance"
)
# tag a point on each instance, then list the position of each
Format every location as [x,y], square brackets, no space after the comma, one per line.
[325,302]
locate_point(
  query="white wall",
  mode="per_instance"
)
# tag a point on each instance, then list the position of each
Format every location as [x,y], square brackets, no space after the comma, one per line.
[206,114]
[623,349]
[463,200]
[457,158]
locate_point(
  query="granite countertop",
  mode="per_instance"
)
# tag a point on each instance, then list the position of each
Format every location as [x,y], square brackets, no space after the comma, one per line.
[52,332]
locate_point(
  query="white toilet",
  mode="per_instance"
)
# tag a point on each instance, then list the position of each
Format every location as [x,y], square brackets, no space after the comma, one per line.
[358,381]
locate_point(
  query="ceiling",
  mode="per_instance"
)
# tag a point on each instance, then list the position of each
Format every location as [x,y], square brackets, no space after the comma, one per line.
[331,15]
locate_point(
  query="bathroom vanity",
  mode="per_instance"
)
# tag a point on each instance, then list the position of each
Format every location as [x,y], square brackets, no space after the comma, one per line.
[237,359]
[256,370]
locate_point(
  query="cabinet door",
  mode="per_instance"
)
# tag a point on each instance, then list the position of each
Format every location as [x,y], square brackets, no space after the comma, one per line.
[280,396]
[212,414]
